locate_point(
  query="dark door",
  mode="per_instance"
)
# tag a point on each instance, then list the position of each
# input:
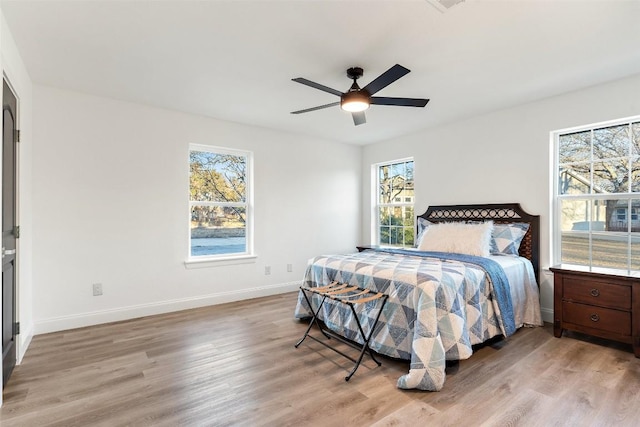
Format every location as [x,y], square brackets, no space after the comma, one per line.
[9,231]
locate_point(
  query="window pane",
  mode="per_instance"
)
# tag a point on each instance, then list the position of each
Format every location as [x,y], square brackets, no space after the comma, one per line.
[217,230]
[609,240]
[635,146]
[397,171]
[575,147]
[397,182]
[408,236]
[574,224]
[409,217]
[635,175]
[635,235]
[611,142]
[609,250]
[397,216]
[383,182]
[385,235]
[217,177]
[611,176]
[409,187]
[396,236]
[384,216]
[574,179]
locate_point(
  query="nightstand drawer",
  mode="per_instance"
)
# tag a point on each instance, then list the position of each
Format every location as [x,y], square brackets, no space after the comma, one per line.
[597,293]
[604,319]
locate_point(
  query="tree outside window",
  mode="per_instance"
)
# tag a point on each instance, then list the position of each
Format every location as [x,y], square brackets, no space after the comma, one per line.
[218,199]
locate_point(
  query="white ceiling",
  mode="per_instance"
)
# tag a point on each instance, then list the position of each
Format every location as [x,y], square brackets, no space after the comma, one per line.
[234,60]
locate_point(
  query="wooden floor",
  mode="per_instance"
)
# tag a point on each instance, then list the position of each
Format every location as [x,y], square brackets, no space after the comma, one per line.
[235,364]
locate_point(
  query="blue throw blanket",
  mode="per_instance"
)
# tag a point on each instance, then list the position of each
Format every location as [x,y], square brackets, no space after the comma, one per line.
[496,274]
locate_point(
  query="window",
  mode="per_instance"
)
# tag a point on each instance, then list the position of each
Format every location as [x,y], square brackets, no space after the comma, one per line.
[597,196]
[395,222]
[219,202]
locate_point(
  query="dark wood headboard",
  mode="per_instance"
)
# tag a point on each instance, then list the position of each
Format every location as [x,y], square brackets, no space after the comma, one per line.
[500,213]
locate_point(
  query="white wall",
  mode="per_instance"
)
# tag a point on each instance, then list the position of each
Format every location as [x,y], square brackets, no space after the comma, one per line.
[111,206]
[16,73]
[500,157]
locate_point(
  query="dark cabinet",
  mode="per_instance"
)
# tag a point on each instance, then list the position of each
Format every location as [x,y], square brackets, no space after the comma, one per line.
[598,304]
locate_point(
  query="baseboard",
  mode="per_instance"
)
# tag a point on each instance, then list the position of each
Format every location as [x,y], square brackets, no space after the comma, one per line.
[23,344]
[131,312]
[547,314]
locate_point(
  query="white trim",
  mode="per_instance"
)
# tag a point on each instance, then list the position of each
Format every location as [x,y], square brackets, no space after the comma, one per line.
[24,341]
[391,162]
[606,123]
[131,312]
[204,262]
[373,222]
[219,150]
[553,200]
[546,277]
[547,314]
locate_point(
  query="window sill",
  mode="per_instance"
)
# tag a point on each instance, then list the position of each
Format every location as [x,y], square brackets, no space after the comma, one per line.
[219,262]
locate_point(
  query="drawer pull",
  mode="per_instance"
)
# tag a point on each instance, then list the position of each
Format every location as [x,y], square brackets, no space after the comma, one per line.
[595,292]
[595,318]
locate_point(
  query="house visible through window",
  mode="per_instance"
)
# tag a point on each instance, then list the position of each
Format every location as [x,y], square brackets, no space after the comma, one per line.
[597,196]
[395,222]
[219,201]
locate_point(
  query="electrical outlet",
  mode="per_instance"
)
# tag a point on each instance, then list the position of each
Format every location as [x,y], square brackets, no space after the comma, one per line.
[97,289]
[289,268]
[267,270]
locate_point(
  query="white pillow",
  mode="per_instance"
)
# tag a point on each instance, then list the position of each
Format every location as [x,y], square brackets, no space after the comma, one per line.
[459,238]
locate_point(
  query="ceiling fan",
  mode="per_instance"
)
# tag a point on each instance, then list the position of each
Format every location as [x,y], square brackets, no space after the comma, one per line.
[356,100]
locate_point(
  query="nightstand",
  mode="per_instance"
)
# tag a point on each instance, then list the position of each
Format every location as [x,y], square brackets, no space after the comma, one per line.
[364,247]
[599,304]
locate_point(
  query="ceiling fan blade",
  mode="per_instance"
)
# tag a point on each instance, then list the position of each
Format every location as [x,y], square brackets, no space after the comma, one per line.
[320,107]
[317,86]
[386,78]
[401,102]
[359,118]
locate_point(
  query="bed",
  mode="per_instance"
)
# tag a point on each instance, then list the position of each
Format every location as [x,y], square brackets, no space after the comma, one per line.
[441,302]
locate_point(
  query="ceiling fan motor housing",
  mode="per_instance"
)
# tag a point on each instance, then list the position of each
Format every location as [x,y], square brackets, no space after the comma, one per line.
[355,73]
[355,99]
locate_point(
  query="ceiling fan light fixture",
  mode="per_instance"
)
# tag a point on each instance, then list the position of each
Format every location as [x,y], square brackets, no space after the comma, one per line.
[354,102]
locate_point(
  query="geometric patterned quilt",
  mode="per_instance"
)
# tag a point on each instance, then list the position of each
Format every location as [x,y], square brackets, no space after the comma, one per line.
[437,309]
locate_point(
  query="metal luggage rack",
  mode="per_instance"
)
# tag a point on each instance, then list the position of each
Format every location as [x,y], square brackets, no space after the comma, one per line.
[349,295]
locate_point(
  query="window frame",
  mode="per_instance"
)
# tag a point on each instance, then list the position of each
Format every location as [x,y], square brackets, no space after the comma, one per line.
[376,205]
[556,206]
[226,258]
